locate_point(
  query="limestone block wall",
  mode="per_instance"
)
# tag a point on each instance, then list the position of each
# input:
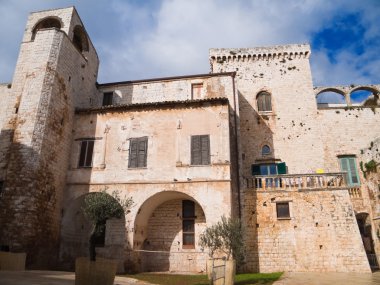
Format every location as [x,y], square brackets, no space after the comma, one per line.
[346,131]
[170,89]
[168,175]
[47,78]
[165,237]
[321,235]
[290,129]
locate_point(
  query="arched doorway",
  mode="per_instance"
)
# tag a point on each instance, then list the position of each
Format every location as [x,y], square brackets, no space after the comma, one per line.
[75,233]
[365,228]
[166,232]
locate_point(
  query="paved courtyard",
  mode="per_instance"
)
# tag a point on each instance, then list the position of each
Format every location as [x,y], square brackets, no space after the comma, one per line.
[328,278]
[51,278]
[291,278]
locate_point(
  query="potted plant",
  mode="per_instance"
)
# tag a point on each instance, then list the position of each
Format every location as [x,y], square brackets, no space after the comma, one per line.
[224,239]
[98,208]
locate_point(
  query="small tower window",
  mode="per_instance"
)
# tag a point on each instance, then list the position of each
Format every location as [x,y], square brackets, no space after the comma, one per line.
[265,150]
[46,24]
[264,103]
[107,98]
[80,40]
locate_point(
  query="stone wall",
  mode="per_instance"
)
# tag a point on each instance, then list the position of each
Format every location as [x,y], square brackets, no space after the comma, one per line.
[320,235]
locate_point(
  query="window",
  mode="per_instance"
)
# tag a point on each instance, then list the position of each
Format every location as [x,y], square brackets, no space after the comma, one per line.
[86,151]
[107,98]
[269,169]
[282,209]
[46,24]
[138,150]
[200,150]
[188,222]
[265,150]
[348,164]
[1,188]
[264,102]
[196,90]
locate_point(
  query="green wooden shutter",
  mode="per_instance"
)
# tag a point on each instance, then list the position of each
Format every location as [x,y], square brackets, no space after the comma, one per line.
[133,153]
[281,168]
[196,150]
[90,151]
[348,164]
[82,156]
[205,149]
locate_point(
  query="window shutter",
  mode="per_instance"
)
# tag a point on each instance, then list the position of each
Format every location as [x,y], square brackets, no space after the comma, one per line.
[82,156]
[205,150]
[353,171]
[196,150]
[268,103]
[255,168]
[133,154]
[281,168]
[90,150]
[142,151]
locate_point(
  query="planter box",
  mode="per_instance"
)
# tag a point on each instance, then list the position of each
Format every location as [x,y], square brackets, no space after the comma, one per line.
[12,261]
[99,272]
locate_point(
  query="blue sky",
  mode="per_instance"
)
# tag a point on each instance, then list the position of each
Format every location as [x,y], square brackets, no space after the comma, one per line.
[138,39]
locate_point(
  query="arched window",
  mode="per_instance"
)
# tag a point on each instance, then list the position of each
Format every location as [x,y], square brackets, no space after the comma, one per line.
[80,39]
[264,102]
[265,150]
[46,24]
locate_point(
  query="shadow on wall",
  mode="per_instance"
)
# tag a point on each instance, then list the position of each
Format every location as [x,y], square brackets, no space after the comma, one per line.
[258,158]
[28,217]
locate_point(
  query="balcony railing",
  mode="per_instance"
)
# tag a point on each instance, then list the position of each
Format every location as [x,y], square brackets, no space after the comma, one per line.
[294,182]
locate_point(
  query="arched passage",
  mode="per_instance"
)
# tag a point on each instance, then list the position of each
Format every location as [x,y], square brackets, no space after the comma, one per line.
[46,23]
[330,96]
[365,228]
[166,231]
[365,96]
[75,234]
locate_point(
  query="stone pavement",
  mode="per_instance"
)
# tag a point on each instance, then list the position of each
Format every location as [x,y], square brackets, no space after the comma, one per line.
[36,277]
[328,278]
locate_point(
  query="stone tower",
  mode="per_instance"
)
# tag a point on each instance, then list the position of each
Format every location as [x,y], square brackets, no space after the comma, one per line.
[56,71]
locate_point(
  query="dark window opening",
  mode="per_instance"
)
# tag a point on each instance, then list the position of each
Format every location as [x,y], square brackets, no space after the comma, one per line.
[80,40]
[86,152]
[282,209]
[264,103]
[200,150]
[107,98]
[188,224]
[1,188]
[46,24]
[138,151]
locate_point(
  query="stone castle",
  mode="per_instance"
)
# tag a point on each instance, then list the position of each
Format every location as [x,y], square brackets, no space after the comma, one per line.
[249,140]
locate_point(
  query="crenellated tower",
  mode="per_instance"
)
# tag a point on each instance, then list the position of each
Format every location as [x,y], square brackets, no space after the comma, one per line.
[55,72]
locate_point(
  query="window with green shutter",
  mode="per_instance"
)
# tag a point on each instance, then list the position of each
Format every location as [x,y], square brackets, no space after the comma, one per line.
[200,150]
[138,150]
[348,164]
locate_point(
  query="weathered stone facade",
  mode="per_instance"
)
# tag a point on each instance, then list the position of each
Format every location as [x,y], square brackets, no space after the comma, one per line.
[194,140]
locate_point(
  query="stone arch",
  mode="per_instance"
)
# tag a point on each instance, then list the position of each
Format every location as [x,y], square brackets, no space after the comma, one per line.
[76,230]
[46,23]
[364,95]
[331,96]
[80,39]
[157,236]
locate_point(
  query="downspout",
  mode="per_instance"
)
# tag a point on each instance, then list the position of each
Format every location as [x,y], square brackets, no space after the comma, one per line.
[236,145]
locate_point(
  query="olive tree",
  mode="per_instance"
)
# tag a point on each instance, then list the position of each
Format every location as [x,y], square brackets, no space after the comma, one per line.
[225,236]
[98,208]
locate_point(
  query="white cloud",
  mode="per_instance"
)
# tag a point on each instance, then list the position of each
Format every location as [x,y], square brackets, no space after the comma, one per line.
[138,39]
